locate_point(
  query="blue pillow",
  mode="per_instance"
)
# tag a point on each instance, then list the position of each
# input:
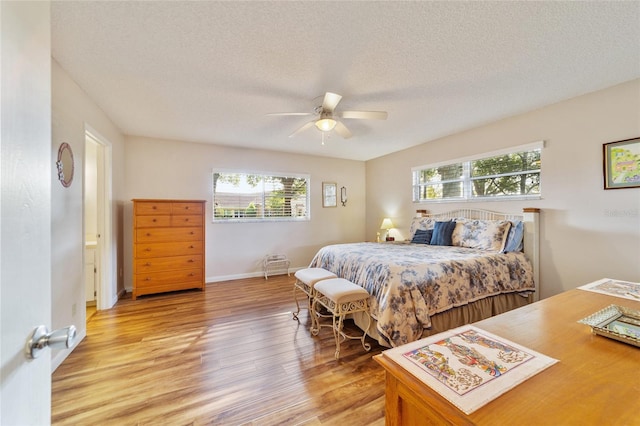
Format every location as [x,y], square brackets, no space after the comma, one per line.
[442,233]
[422,236]
[514,239]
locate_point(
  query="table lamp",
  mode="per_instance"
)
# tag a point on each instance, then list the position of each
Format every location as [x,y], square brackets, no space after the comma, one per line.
[387,225]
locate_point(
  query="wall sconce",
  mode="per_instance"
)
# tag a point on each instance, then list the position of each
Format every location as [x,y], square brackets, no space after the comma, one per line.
[387,225]
[343,196]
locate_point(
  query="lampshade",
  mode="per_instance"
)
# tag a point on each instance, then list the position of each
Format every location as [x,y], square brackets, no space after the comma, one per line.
[326,124]
[386,224]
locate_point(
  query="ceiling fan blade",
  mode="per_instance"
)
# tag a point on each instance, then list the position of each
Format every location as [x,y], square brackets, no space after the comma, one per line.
[303,128]
[342,130]
[365,115]
[330,101]
[289,113]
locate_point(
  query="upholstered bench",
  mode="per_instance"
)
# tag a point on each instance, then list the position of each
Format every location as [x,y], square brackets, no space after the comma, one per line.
[306,279]
[341,297]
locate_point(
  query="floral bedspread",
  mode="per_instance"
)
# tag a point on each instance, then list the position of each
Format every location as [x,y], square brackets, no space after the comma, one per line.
[410,282]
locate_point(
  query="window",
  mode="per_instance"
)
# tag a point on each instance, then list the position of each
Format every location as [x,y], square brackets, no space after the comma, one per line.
[260,196]
[514,173]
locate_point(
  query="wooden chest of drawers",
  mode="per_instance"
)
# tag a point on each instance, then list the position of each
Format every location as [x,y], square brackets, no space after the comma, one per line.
[168,245]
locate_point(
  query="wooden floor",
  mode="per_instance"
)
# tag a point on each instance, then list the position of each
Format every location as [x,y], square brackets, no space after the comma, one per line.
[231,355]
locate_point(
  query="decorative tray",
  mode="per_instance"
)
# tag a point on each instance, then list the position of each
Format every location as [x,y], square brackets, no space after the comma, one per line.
[616,322]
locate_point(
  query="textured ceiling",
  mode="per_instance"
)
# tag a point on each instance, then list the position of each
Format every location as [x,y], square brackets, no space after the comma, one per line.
[209,71]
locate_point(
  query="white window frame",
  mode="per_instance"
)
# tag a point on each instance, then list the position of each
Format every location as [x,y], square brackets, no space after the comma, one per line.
[262,218]
[466,179]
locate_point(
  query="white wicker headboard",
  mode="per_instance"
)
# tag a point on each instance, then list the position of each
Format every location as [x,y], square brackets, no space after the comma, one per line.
[529,216]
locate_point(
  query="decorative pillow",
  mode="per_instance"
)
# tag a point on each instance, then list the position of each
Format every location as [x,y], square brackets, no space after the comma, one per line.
[482,234]
[422,236]
[442,233]
[420,223]
[514,238]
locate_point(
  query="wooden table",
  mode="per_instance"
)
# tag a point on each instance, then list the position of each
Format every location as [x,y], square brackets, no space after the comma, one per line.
[596,382]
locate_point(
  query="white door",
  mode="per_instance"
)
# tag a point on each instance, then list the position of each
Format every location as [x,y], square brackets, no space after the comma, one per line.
[26,177]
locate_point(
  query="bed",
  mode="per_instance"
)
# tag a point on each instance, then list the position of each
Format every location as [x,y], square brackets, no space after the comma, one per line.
[489,265]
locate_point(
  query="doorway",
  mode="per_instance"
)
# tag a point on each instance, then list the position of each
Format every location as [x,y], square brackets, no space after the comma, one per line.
[98,264]
[91,232]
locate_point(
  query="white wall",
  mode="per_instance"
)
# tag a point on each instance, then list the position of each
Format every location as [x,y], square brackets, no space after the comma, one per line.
[587,233]
[172,169]
[72,110]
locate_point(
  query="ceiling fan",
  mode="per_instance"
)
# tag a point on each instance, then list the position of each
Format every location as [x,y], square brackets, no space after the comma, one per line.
[328,118]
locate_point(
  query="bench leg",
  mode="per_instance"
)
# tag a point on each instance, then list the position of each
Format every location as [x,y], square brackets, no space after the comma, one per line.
[337,333]
[366,346]
[315,323]
[295,297]
[340,335]
[309,300]
[312,312]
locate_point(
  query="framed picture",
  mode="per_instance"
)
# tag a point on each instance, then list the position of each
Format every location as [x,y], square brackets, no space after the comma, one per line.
[622,164]
[329,194]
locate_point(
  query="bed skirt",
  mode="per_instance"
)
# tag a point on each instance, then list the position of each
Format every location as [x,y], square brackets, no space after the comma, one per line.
[456,317]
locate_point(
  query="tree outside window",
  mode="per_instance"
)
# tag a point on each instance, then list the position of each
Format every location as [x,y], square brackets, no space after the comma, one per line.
[512,174]
[257,196]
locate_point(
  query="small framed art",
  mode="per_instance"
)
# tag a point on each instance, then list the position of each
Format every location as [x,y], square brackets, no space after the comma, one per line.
[329,194]
[622,164]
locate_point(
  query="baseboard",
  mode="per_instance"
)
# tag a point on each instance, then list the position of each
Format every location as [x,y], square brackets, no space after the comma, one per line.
[233,277]
[121,294]
[61,355]
[242,276]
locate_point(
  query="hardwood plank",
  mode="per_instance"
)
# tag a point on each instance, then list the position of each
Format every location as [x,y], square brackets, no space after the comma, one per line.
[228,356]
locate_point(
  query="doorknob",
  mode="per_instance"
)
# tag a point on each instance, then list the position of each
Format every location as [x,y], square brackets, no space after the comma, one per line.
[62,338]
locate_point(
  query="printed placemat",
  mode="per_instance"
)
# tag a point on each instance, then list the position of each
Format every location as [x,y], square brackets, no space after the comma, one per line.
[617,288]
[469,366]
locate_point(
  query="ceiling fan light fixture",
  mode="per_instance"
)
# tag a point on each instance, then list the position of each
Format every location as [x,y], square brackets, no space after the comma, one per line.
[326,124]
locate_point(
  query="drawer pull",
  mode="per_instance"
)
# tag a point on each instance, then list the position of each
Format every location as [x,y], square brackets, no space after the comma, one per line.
[153,207]
[154,220]
[147,264]
[191,247]
[186,208]
[147,249]
[190,260]
[148,234]
[147,279]
[186,220]
[191,274]
[191,232]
